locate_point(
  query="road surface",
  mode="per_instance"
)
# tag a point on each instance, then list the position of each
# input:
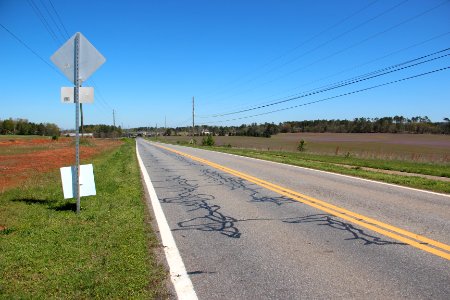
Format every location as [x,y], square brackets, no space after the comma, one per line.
[249,229]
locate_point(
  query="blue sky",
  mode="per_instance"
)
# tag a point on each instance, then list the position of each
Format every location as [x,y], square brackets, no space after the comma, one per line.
[230,55]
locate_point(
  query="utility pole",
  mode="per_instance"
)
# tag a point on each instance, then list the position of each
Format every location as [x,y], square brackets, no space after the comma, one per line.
[193,123]
[114,118]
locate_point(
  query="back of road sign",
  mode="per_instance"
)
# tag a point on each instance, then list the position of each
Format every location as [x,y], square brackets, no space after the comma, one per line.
[87,183]
[86,95]
[89,59]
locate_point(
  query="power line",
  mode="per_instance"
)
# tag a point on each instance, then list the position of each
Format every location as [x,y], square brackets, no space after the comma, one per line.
[329,41]
[361,65]
[349,47]
[43,20]
[334,97]
[309,40]
[59,18]
[103,101]
[354,80]
[53,20]
[40,58]
[30,49]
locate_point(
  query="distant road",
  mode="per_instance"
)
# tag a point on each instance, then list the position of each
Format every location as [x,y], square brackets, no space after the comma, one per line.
[250,229]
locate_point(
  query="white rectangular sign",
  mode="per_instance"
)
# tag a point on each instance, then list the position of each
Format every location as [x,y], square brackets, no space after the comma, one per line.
[86,95]
[87,183]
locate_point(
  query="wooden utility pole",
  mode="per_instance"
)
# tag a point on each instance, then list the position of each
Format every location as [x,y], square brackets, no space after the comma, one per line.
[193,118]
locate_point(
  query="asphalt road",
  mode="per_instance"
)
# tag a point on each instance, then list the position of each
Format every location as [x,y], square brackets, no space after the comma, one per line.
[241,240]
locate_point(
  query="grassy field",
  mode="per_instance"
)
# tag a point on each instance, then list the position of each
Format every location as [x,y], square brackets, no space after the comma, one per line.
[107,251]
[356,159]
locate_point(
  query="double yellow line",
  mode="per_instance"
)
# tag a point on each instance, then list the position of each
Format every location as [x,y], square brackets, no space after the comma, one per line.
[404,236]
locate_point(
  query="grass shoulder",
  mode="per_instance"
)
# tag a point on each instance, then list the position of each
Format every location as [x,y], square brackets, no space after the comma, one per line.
[106,251]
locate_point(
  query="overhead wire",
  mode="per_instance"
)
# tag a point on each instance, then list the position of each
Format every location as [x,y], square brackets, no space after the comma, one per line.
[347,82]
[102,103]
[40,57]
[44,22]
[53,20]
[337,96]
[384,12]
[355,66]
[59,18]
[30,49]
[309,39]
[349,47]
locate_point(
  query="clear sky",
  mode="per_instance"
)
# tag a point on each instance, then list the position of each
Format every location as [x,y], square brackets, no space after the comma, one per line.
[230,55]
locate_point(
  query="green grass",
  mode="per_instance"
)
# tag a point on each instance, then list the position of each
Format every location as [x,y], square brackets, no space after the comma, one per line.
[107,251]
[16,136]
[442,170]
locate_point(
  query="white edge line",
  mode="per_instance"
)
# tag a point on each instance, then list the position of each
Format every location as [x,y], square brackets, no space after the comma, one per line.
[178,275]
[326,172]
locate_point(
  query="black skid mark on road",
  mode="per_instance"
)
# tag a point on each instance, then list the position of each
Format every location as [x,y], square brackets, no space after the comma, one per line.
[275,200]
[183,159]
[235,183]
[213,220]
[218,178]
[329,220]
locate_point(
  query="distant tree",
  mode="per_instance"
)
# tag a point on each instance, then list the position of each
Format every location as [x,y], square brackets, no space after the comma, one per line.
[8,126]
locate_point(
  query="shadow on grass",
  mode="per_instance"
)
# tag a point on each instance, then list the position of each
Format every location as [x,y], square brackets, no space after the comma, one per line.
[65,207]
[30,201]
[51,204]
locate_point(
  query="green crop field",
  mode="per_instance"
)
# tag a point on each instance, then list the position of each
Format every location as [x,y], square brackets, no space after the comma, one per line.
[107,251]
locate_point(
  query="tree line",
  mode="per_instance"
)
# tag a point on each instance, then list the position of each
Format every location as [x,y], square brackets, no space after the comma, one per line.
[24,127]
[396,124]
[103,131]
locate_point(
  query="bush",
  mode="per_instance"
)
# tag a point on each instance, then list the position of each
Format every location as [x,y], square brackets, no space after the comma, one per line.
[301,146]
[55,138]
[208,141]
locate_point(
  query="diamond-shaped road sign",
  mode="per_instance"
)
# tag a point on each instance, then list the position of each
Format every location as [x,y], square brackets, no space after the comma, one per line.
[89,59]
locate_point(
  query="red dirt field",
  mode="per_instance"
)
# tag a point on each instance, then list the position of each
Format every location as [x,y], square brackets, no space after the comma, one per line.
[24,158]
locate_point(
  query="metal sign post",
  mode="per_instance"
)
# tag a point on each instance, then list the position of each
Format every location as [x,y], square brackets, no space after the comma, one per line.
[77,59]
[77,117]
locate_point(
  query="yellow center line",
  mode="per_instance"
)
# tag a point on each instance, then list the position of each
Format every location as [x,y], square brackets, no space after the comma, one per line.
[404,236]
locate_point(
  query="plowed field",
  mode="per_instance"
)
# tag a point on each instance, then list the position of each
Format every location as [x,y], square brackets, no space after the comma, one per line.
[24,158]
